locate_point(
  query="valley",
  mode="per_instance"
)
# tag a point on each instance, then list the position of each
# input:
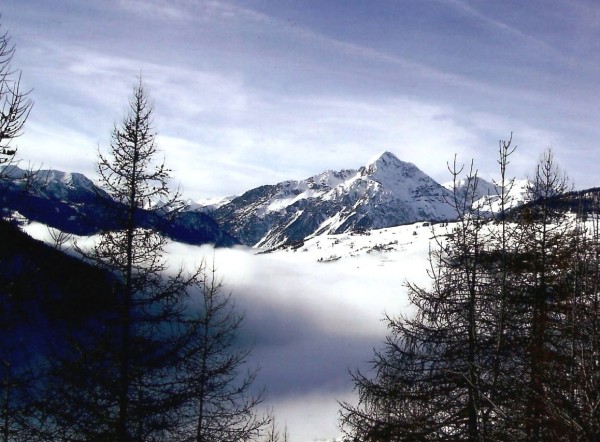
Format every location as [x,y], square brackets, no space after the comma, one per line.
[310,318]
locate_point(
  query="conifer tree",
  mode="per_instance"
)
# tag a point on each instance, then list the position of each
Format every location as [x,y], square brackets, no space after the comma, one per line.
[221,404]
[16,376]
[431,378]
[120,379]
[443,371]
[583,327]
[163,362]
[522,360]
[148,342]
[15,104]
[543,271]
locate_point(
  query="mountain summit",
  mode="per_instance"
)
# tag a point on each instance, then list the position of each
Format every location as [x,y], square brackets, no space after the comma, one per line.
[385,161]
[384,193]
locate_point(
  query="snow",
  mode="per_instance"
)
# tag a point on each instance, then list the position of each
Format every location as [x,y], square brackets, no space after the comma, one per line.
[387,190]
[212,203]
[381,157]
[317,186]
[389,245]
[487,194]
[278,204]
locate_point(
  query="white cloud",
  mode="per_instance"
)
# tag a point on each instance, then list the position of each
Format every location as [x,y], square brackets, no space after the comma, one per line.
[223,136]
[310,322]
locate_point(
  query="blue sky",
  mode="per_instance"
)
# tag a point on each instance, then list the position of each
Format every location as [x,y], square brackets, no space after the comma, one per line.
[250,92]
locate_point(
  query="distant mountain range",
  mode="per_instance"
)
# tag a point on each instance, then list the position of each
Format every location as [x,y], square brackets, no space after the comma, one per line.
[72,203]
[386,192]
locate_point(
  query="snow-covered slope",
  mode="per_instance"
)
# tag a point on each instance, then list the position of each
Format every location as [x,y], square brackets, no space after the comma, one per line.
[483,188]
[386,192]
[208,204]
[517,196]
[61,186]
[486,197]
[387,246]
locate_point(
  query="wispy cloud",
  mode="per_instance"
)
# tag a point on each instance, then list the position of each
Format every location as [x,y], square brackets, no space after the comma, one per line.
[510,31]
[244,97]
[223,135]
[156,9]
[214,11]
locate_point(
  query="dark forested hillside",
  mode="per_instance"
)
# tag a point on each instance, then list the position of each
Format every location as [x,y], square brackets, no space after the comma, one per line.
[47,300]
[47,281]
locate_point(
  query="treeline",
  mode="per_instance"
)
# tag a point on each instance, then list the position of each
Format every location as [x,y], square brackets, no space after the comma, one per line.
[504,344]
[132,350]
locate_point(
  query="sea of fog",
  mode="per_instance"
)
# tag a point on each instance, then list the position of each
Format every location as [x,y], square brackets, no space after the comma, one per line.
[312,314]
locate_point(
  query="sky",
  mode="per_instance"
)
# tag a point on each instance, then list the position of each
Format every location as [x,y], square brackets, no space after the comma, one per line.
[253,92]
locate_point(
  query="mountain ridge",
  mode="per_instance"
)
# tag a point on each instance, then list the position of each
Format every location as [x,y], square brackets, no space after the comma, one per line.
[72,203]
[383,193]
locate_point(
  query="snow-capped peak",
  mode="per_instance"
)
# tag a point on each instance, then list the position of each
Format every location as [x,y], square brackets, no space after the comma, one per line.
[385,160]
[13,172]
[388,170]
[55,184]
[386,192]
[70,179]
[482,187]
[49,177]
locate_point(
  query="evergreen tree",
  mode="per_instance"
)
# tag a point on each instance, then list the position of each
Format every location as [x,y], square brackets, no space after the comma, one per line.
[15,104]
[119,379]
[583,398]
[162,361]
[17,376]
[543,271]
[151,307]
[494,351]
[221,405]
[432,378]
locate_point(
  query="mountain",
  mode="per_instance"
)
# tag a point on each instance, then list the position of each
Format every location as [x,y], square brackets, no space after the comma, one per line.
[72,203]
[486,197]
[386,192]
[483,188]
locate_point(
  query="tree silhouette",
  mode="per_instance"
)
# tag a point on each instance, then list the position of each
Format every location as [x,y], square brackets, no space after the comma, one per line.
[15,104]
[502,342]
[221,404]
[119,380]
